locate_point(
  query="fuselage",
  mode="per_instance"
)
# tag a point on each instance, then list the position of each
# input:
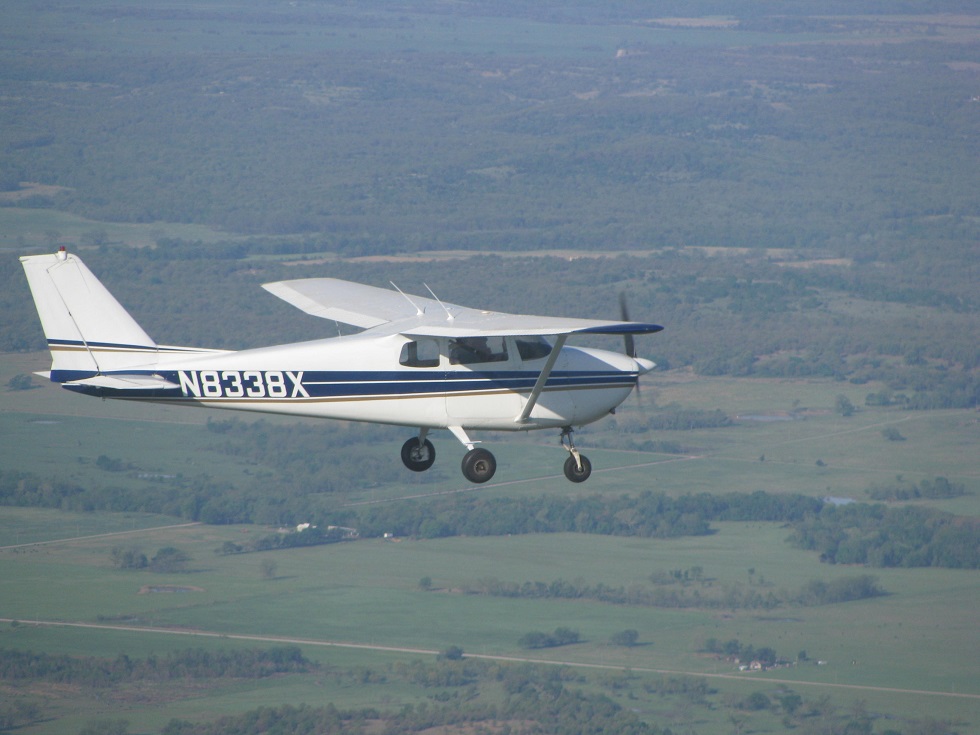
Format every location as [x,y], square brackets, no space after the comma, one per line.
[392,379]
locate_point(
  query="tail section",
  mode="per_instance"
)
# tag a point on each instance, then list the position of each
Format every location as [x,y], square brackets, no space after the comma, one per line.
[89,332]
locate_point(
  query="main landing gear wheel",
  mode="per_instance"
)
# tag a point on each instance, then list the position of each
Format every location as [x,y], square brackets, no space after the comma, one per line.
[577,466]
[418,456]
[577,473]
[479,465]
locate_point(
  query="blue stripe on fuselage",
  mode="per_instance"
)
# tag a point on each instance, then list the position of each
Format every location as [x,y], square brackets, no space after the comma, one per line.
[260,385]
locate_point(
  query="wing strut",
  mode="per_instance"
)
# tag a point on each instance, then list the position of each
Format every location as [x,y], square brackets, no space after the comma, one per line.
[542,379]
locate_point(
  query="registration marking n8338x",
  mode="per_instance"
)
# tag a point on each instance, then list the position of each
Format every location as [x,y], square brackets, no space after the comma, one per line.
[242,384]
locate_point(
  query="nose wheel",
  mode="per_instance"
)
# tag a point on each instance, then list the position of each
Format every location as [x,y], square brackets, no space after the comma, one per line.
[418,454]
[577,466]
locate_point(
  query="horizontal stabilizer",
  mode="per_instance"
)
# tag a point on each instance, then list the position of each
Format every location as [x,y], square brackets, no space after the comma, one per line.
[121,385]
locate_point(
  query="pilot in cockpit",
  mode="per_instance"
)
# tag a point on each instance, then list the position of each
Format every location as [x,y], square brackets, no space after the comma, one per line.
[467,350]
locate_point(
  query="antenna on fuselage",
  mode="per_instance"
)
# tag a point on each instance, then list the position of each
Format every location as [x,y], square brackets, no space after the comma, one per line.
[449,315]
[418,311]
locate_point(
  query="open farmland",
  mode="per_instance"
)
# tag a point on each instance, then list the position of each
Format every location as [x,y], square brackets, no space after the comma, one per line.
[362,604]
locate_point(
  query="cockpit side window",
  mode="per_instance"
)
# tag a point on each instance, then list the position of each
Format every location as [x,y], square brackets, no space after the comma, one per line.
[475,350]
[533,348]
[421,354]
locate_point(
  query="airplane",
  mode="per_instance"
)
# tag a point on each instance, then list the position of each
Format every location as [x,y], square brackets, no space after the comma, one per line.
[417,362]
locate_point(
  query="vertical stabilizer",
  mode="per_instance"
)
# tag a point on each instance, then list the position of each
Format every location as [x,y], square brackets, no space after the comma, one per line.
[88,331]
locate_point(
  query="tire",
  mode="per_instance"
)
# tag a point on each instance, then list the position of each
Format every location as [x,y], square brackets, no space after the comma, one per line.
[572,471]
[418,458]
[478,465]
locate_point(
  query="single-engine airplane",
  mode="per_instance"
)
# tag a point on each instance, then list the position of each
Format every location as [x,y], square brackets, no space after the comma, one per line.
[417,362]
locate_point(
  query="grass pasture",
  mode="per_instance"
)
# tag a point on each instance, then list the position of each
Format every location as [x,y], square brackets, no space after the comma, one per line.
[366,595]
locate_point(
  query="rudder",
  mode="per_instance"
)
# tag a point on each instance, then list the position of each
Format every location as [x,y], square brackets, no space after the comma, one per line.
[87,330]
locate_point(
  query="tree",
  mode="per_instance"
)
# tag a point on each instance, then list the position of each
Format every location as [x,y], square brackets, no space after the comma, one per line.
[561,637]
[268,569]
[425,584]
[109,464]
[535,639]
[626,638]
[843,406]
[131,558]
[756,701]
[20,382]
[790,701]
[169,559]
[452,653]
[565,636]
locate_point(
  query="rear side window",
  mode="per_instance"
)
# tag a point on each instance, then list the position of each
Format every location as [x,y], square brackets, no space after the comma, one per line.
[421,354]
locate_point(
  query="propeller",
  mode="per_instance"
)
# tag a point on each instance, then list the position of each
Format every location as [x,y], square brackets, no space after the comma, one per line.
[629,344]
[624,315]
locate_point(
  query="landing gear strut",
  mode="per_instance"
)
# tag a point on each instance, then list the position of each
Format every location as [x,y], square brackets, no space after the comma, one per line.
[577,466]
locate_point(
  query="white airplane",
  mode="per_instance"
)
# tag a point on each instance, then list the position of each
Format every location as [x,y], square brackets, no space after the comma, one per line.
[418,362]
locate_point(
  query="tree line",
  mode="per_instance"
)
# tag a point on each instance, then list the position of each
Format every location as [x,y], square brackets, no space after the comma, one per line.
[561,636]
[709,596]
[902,489]
[880,536]
[192,663]
[858,533]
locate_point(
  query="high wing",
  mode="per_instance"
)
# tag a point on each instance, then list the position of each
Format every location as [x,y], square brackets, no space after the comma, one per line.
[347,302]
[369,307]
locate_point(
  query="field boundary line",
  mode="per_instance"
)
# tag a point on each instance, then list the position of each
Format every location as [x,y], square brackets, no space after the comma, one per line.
[192,632]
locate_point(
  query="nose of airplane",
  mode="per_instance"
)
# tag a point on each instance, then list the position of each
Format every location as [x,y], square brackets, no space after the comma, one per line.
[643,366]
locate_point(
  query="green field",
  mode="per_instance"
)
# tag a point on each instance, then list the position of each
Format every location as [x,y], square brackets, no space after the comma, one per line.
[355,604]
[900,653]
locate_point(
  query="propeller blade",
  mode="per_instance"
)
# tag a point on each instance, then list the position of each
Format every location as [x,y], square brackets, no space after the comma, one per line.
[624,315]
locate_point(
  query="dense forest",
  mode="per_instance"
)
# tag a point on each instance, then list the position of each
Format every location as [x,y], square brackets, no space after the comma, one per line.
[624,142]
[837,172]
